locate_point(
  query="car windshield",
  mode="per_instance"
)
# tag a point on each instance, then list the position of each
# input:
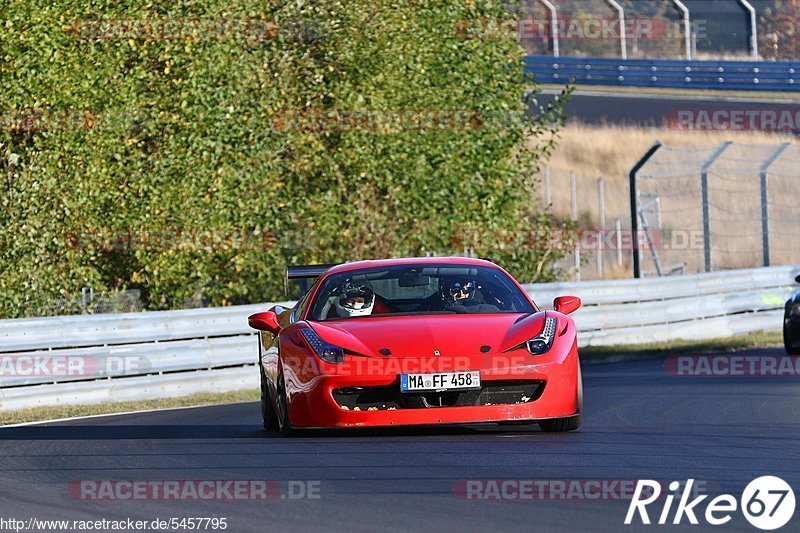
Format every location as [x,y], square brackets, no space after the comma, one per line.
[417,290]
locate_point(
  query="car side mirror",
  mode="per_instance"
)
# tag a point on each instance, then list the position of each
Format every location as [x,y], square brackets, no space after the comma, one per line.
[566,304]
[797,279]
[266,321]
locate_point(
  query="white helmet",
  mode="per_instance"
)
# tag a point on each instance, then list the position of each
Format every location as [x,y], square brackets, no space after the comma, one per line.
[354,300]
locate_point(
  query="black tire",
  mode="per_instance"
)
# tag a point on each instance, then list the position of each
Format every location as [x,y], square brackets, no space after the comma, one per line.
[787,343]
[283,410]
[268,416]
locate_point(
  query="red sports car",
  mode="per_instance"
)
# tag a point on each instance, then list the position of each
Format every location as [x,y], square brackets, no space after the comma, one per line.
[417,341]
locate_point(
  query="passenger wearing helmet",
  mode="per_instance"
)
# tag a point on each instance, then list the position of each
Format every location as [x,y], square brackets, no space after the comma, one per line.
[462,295]
[457,291]
[354,299]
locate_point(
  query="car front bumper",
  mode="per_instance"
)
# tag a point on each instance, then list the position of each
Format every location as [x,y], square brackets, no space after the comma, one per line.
[517,387]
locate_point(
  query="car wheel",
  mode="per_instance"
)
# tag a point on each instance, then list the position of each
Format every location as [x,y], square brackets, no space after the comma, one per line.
[787,343]
[268,415]
[283,409]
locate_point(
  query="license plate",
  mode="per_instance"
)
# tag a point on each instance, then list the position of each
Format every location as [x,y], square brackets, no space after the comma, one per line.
[440,382]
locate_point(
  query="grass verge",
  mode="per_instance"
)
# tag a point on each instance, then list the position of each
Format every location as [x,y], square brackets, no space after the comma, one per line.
[656,350]
[67,411]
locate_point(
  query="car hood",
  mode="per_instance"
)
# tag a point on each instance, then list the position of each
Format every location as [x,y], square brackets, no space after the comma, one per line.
[420,336]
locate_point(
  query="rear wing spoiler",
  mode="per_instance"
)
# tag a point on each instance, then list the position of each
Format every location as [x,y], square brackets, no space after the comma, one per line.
[307,273]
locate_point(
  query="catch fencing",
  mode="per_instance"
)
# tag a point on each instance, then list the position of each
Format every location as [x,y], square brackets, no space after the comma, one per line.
[138,356]
[716,207]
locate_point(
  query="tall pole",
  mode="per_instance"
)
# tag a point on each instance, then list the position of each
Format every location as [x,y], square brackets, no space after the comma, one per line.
[622,38]
[687,28]
[553,25]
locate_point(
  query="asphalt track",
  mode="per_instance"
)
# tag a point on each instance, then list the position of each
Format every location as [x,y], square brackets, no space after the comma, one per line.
[641,422]
[649,110]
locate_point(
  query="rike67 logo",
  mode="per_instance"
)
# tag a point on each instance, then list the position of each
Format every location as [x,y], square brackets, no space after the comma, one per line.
[767,503]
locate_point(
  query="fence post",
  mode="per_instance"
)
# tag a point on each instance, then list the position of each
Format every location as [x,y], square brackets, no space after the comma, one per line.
[753,28]
[687,28]
[553,25]
[637,273]
[622,38]
[765,200]
[704,199]
[618,232]
[573,180]
[548,198]
[601,199]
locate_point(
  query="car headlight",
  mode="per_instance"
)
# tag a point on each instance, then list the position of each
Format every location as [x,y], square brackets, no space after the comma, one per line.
[325,351]
[542,342]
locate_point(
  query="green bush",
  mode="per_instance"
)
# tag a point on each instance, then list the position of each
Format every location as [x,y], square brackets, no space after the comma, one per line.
[215,155]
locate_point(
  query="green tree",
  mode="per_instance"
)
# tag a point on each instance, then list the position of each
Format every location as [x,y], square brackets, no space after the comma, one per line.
[231,138]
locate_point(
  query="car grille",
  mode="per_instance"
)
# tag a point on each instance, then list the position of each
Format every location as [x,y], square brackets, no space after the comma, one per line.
[390,397]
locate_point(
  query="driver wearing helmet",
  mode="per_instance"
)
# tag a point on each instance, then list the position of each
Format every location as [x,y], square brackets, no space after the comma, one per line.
[354,299]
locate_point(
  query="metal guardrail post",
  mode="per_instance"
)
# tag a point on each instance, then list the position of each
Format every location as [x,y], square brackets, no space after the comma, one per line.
[635,208]
[753,29]
[623,43]
[704,193]
[553,25]
[687,27]
[765,200]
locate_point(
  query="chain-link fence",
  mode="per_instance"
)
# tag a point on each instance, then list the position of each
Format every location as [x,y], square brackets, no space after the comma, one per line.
[697,209]
[601,207]
[718,207]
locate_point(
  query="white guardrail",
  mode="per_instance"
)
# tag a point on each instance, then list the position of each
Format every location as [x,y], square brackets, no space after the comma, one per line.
[137,356]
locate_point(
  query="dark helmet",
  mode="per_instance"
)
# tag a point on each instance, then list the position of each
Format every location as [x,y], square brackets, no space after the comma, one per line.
[454,289]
